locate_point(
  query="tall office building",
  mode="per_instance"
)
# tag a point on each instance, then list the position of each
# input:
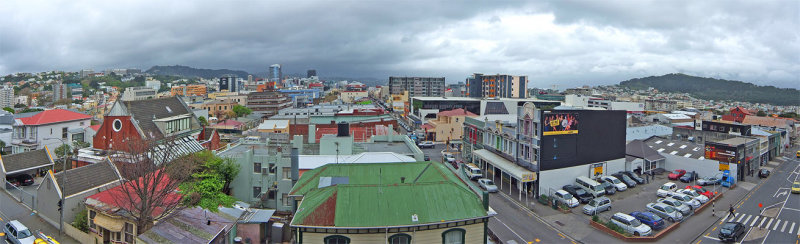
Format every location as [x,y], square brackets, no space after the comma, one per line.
[249,79]
[311,72]
[7,97]
[230,83]
[417,86]
[275,74]
[508,86]
[60,91]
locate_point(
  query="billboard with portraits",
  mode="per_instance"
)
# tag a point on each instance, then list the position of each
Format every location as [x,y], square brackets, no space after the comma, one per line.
[559,124]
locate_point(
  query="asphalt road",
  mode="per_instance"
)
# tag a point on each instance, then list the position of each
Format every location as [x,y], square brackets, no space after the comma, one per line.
[10,209]
[778,218]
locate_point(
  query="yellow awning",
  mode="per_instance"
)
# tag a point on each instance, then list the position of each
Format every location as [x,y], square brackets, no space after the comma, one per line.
[112,224]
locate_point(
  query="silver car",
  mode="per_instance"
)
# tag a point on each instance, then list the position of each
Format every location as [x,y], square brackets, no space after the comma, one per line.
[597,205]
[664,211]
[17,233]
[487,184]
[683,208]
[697,196]
[685,199]
[631,225]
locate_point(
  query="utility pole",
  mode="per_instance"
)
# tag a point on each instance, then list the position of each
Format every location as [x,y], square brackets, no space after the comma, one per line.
[63,183]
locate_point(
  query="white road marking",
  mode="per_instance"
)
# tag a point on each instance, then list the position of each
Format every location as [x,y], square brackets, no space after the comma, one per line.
[784,226]
[777,223]
[754,221]
[747,219]
[762,222]
[512,231]
[791,229]
[768,223]
[798,230]
[793,209]
[712,238]
[740,217]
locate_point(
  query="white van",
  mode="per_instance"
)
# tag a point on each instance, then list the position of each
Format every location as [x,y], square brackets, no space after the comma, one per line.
[473,171]
[590,186]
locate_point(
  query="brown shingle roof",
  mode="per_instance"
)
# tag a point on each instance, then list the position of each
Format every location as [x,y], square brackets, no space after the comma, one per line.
[144,111]
[27,160]
[87,177]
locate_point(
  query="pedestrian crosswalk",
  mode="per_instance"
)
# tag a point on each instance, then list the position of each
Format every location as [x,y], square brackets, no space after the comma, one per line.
[766,223]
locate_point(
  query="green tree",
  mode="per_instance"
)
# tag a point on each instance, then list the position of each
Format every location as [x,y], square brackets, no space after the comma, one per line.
[203,121]
[19,105]
[209,188]
[761,113]
[81,220]
[28,110]
[63,149]
[241,111]
[10,110]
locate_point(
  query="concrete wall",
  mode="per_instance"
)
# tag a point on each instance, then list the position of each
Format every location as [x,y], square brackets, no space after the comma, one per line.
[557,178]
[252,231]
[474,234]
[242,185]
[47,201]
[704,168]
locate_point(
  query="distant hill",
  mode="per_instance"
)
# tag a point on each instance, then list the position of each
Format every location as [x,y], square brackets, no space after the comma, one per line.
[717,89]
[187,71]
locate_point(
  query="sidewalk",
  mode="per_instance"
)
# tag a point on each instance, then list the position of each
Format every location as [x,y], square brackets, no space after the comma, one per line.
[11,209]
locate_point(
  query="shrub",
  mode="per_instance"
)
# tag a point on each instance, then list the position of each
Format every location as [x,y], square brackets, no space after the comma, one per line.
[616,228]
[81,221]
[595,218]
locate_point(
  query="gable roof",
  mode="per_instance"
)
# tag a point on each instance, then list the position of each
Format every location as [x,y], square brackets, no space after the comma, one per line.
[637,148]
[108,201]
[53,116]
[372,195]
[145,111]
[457,112]
[765,121]
[19,162]
[744,110]
[87,177]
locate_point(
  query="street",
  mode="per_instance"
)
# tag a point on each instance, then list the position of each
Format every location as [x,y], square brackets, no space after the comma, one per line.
[778,218]
[10,209]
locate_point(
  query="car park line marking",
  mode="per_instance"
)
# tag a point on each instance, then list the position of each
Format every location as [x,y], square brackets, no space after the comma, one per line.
[748,218]
[777,223]
[784,226]
[754,221]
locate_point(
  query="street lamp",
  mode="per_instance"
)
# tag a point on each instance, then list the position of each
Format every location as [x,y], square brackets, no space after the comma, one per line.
[63,183]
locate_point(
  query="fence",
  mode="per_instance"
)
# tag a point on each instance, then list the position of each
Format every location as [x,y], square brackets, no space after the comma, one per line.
[21,196]
[80,236]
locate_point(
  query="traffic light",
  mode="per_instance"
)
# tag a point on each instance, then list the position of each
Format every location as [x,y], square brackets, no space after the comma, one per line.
[59,205]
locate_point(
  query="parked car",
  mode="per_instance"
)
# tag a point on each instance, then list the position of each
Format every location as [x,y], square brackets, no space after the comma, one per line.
[678,205]
[17,233]
[763,173]
[666,188]
[580,194]
[796,187]
[597,205]
[731,231]
[633,176]
[456,163]
[11,180]
[697,196]
[649,219]
[685,199]
[625,179]
[610,188]
[25,179]
[426,144]
[689,177]
[449,158]
[487,184]
[565,198]
[709,181]
[701,190]
[664,211]
[631,225]
[676,174]
[427,158]
[616,182]
[473,171]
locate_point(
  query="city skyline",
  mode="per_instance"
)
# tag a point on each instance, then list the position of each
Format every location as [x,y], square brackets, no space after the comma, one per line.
[564,43]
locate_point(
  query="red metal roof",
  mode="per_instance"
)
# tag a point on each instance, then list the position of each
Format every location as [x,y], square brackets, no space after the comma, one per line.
[95,127]
[115,197]
[456,112]
[53,116]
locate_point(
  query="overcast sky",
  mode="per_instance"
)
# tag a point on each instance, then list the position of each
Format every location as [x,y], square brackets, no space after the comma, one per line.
[563,42]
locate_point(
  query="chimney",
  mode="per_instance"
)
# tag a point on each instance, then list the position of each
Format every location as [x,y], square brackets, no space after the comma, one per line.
[295,160]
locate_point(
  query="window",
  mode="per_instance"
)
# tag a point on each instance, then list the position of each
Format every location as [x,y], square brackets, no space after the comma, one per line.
[453,236]
[32,133]
[256,191]
[400,239]
[128,232]
[64,133]
[92,214]
[272,168]
[285,198]
[287,173]
[336,240]
[81,123]
[257,168]
[77,137]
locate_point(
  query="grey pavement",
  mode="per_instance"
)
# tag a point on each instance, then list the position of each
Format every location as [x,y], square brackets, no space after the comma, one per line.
[778,218]
[11,209]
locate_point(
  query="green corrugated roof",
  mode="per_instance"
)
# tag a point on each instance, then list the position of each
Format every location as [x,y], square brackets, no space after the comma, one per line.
[375,197]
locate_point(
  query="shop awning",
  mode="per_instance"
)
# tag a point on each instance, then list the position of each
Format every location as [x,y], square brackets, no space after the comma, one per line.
[112,224]
[516,171]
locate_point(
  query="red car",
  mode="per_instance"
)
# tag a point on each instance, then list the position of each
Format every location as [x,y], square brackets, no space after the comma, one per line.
[676,174]
[702,191]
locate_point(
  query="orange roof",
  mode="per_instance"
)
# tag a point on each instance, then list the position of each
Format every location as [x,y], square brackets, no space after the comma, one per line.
[456,112]
[765,121]
[53,116]
[95,127]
